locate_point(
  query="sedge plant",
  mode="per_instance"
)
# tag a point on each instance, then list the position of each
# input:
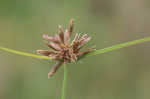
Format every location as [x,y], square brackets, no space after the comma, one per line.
[66,51]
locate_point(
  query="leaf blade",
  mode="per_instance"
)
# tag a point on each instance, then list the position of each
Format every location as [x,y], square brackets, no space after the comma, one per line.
[119,46]
[97,52]
[24,53]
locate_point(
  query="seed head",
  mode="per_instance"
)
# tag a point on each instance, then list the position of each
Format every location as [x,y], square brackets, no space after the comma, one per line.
[63,50]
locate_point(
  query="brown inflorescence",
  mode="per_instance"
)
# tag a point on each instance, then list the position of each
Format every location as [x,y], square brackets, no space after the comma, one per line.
[65,51]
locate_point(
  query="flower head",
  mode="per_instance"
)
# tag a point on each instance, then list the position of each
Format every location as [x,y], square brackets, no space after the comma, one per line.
[64,50]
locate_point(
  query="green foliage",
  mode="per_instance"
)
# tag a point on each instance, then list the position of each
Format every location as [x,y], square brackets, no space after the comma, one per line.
[97,52]
[119,46]
[23,53]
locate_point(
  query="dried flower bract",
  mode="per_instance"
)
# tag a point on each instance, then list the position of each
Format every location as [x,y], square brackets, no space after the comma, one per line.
[65,51]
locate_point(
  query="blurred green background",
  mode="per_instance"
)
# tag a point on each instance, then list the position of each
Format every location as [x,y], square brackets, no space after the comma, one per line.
[121,74]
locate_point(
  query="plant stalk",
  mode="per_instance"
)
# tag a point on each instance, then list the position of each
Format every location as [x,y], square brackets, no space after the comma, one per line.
[64,88]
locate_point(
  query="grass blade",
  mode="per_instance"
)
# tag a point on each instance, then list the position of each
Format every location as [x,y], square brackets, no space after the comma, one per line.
[24,53]
[119,46]
[97,52]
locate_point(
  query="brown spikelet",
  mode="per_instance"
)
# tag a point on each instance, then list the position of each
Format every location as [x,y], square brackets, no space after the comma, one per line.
[71,27]
[61,33]
[54,69]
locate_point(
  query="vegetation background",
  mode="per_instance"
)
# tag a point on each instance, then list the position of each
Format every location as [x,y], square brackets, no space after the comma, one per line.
[122,74]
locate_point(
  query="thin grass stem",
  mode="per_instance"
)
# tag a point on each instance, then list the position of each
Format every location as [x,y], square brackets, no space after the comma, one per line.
[64,88]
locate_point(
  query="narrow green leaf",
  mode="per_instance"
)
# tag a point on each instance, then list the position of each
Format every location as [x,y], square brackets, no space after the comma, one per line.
[100,51]
[119,46]
[24,54]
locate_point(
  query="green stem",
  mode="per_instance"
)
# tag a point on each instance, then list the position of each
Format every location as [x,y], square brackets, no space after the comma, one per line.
[64,89]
